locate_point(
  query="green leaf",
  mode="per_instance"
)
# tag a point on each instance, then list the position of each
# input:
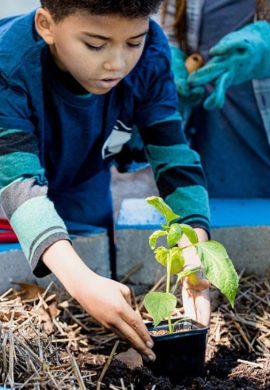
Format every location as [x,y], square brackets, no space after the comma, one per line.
[155,236]
[187,272]
[218,268]
[159,305]
[190,233]
[174,235]
[182,274]
[162,255]
[162,208]
[178,260]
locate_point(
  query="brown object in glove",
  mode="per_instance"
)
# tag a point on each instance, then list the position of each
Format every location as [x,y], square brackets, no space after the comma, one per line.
[193,62]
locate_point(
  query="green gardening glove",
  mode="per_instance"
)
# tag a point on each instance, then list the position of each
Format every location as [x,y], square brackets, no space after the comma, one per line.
[189,96]
[238,57]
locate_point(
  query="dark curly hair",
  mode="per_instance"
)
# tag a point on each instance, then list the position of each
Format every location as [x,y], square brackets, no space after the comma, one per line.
[59,9]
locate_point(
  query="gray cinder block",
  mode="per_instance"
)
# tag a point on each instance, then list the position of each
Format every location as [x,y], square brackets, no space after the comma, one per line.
[93,249]
[248,246]
[14,267]
[137,220]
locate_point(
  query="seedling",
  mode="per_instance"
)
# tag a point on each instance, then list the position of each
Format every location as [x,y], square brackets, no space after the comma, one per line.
[216,264]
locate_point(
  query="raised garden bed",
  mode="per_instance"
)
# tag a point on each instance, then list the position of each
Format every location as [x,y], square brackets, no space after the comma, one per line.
[48,342]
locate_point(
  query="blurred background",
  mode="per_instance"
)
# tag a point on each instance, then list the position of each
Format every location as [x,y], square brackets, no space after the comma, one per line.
[15,7]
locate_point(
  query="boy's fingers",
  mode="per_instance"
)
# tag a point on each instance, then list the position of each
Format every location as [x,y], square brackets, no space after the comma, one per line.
[204,308]
[135,322]
[197,305]
[196,282]
[188,304]
[126,333]
[126,294]
[132,329]
[203,284]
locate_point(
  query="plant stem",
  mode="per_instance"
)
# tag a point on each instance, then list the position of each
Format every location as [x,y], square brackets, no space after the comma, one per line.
[168,287]
[170,325]
[169,265]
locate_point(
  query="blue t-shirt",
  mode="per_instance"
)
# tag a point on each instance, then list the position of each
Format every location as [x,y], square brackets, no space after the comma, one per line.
[231,141]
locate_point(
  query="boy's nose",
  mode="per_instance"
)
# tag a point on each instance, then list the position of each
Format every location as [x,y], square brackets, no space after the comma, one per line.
[116,62]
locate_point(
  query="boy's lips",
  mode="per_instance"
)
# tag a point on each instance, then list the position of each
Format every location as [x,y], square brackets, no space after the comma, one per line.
[108,82]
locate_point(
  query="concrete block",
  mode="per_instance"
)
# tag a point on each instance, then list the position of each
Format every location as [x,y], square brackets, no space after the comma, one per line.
[248,247]
[234,225]
[137,220]
[92,248]
[14,267]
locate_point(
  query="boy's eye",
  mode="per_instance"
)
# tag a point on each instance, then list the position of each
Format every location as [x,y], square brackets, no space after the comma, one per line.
[93,47]
[138,44]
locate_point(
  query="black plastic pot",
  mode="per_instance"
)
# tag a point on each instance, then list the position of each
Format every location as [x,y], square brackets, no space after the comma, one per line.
[180,354]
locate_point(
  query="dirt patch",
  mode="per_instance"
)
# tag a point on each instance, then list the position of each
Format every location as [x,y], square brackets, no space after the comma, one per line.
[49,342]
[222,372]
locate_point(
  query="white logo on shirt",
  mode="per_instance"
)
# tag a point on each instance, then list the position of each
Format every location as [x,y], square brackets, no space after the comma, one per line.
[118,137]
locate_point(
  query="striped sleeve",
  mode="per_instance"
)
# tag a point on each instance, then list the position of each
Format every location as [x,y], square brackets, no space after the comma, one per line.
[23,195]
[178,172]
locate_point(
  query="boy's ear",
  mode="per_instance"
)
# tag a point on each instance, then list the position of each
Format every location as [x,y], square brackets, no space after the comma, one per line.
[45,25]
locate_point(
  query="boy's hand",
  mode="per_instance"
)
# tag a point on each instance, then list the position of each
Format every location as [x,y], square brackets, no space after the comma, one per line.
[104,299]
[109,302]
[195,289]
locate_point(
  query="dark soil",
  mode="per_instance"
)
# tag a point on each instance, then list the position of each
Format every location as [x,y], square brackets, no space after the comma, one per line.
[222,372]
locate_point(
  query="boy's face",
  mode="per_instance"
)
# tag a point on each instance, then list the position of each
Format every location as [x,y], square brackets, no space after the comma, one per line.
[98,51]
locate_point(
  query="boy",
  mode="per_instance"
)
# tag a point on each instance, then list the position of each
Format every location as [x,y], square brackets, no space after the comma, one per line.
[82,74]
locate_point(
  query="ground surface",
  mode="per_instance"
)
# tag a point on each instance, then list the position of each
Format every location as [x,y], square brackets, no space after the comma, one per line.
[49,342]
[222,372]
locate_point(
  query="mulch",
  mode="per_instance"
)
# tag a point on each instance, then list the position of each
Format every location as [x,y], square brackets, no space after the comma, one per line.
[48,342]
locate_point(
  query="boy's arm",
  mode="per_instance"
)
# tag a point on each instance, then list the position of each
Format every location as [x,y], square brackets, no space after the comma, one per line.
[23,191]
[178,172]
[42,233]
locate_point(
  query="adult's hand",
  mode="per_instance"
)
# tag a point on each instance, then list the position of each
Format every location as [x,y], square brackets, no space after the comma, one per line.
[189,96]
[104,299]
[238,57]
